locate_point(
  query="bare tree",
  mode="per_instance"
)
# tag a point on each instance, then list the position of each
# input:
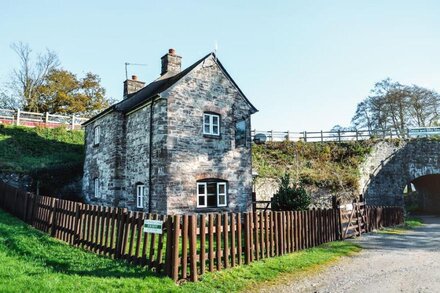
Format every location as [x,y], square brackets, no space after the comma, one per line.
[30,74]
[396,106]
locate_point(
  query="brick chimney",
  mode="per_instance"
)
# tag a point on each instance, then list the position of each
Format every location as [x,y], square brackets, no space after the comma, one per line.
[171,63]
[132,85]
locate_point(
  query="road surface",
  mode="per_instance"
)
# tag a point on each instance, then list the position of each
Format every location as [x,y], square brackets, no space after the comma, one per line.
[388,263]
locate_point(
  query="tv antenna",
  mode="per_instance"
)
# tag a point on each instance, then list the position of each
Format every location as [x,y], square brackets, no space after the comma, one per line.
[134,64]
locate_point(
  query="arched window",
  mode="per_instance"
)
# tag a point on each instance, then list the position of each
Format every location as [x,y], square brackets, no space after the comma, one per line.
[212,193]
[140,195]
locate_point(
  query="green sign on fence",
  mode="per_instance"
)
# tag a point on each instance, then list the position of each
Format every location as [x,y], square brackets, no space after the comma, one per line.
[153,226]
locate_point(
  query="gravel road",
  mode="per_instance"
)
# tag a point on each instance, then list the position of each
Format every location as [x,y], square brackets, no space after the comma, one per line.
[387,263]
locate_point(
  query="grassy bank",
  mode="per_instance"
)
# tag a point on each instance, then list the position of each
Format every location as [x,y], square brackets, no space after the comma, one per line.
[331,165]
[24,149]
[33,261]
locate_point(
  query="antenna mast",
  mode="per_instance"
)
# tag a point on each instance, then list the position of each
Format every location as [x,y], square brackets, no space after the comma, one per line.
[135,64]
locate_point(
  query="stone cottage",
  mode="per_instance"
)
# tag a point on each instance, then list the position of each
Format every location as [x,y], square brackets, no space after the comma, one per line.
[181,144]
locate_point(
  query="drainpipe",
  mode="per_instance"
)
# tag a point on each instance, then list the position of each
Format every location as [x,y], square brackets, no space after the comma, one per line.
[150,154]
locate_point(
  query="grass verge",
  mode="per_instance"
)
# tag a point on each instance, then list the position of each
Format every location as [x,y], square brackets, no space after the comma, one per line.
[32,261]
[272,269]
[410,224]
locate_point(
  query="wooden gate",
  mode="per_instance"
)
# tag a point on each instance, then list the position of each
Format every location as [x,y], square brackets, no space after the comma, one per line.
[353,219]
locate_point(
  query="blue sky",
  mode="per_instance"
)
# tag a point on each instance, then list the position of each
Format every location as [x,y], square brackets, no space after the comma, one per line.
[304,64]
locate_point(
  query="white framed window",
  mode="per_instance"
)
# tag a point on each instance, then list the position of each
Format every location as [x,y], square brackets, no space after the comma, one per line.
[140,194]
[211,194]
[96,135]
[221,194]
[211,124]
[97,193]
[201,195]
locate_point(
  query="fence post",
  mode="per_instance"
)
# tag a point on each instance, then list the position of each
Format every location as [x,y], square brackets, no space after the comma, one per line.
[339,135]
[53,225]
[357,135]
[288,135]
[271,135]
[305,136]
[247,235]
[175,249]
[322,136]
[73,122]
[120,235]
[193,247]
[77,227]
[46,119]
[18,117]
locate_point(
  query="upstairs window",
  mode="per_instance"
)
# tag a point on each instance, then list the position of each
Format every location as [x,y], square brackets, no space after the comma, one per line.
[96,135]
[211,194]
[97,193]
[240,133]
[140,194]
[211,124]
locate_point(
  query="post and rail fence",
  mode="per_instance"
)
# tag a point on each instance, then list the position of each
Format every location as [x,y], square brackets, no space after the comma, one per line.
[345,135]
[32,119]
[190,245]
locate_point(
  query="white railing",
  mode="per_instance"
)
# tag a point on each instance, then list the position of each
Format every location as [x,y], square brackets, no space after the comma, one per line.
[32,119]
[325,136]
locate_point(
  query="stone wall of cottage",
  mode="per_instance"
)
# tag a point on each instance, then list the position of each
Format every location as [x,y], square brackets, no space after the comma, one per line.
[104,161]
[193,156]
[137,157]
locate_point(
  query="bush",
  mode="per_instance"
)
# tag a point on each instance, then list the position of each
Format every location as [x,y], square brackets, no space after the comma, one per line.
[290,197]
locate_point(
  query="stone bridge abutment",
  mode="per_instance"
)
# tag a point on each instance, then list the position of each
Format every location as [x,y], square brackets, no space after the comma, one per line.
[392,165]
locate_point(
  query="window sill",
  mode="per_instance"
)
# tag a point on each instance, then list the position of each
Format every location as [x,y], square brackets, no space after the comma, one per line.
[212,210]
[212,136]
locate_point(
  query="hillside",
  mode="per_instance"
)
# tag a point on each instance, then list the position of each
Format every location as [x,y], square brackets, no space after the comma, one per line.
[331,166]
[50,157]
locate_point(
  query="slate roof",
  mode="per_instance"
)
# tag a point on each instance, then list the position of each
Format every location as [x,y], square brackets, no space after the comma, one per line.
[158,86]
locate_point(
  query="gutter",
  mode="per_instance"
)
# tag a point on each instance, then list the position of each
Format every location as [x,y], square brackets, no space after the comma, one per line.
[150,154]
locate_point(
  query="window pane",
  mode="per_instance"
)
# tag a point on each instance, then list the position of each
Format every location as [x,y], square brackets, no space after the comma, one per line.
[221,189]
[240,133]
[221,200]
[212,200]
[201,189]
[215,130]
[215,120]
[201,201]
[206,119]
[206,128]
[212,188]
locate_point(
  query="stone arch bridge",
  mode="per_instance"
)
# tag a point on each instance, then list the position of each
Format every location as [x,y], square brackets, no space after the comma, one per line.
[393,165]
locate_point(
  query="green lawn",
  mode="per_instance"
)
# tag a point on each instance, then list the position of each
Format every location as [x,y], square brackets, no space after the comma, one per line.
[33,261]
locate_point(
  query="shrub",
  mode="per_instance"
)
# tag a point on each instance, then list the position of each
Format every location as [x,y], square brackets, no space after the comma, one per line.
[290,197]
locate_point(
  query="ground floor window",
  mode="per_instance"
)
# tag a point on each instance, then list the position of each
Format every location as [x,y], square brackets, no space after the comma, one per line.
[211,194]
[96,187]
[140,194]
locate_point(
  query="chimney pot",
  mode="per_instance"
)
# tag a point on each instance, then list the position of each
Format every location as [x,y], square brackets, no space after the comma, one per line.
[171,63]
[132,85]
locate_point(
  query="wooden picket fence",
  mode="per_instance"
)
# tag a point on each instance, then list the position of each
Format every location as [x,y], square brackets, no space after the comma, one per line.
[189,245]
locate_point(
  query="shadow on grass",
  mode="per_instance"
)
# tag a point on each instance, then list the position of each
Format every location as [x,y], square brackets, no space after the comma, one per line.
[34,247]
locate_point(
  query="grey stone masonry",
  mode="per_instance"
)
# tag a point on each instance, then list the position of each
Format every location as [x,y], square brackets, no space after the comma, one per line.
[160,144]
[393,165]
